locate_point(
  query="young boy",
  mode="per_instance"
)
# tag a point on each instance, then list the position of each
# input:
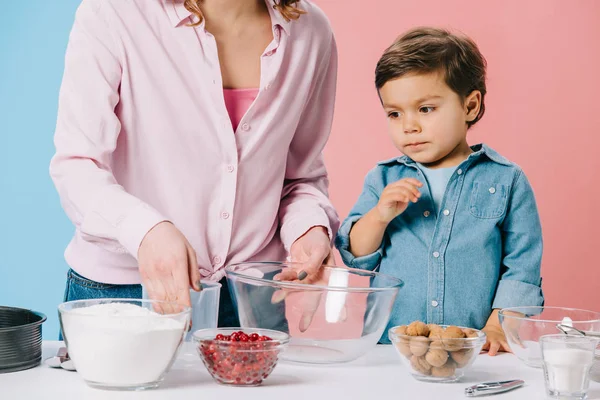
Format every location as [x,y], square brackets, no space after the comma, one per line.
[458,224]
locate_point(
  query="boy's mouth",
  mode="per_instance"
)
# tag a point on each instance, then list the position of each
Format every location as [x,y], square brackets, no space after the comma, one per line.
[415,145]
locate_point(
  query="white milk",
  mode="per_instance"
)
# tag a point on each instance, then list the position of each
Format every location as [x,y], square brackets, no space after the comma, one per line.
[567,369]
[121,344]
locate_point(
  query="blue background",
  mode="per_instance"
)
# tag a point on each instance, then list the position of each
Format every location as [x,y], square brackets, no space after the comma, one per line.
[34,228]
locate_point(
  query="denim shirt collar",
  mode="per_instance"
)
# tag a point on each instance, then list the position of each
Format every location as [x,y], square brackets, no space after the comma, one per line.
[478,151]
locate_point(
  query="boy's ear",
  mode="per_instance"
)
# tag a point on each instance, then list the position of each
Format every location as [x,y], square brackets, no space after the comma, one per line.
[473,105]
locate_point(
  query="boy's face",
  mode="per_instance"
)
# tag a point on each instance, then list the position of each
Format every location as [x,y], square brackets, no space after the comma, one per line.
[428,120]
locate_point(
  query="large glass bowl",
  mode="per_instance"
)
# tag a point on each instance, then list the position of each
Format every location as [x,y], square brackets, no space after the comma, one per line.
[523,327]
[125,344]
[337,318]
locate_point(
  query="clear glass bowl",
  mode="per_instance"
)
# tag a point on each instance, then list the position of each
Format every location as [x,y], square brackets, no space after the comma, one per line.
[123,350]
[523,327]
[239,363]
[337,318]
[432,359]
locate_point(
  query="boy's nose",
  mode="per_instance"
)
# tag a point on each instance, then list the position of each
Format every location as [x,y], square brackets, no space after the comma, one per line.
[411,125]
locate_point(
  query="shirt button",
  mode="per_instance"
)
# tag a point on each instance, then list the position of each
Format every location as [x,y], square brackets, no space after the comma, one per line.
[245,126]
[230,168]
[436,254]
[426,214]
[434,303]
[224,215]
[446,212]
[217,260]
[459,172]
[492,190]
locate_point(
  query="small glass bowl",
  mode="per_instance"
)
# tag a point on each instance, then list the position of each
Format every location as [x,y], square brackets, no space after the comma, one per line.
[435,359]
[239,363]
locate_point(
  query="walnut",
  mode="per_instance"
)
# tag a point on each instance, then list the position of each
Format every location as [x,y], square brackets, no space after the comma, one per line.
[445,370]
[417,328]
[452,338]
[462,357]
[419,345]
[420,365]
[437,344]
[454,332]
[470,333]
[401,330]
[403,347]
[433,328]
[436,358]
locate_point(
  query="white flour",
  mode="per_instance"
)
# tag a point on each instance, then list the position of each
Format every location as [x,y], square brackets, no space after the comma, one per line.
[121,344]
[567,369]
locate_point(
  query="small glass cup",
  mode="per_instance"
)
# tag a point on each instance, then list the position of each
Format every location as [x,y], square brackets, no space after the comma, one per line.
[205,315]
[567,361]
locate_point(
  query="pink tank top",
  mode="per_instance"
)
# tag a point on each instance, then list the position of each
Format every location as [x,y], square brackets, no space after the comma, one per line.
[237,102]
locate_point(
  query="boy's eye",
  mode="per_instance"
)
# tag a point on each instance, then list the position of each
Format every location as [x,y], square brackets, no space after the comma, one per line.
[393,114]
[426,110]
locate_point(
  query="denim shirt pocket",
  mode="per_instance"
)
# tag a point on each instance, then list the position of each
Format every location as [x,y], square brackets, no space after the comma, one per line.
[488,200]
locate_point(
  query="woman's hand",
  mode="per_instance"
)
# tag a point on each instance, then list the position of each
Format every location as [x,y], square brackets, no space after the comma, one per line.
[168,266]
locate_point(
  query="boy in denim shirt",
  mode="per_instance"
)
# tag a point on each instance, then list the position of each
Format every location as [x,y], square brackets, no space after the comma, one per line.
[457,223]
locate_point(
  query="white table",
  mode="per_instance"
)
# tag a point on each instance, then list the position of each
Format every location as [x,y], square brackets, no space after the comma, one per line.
[378,375]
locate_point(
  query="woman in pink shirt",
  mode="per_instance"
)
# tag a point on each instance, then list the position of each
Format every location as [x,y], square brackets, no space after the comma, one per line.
[189,137]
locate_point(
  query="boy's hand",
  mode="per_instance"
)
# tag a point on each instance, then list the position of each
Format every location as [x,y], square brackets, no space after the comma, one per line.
[496,341]
[395,198]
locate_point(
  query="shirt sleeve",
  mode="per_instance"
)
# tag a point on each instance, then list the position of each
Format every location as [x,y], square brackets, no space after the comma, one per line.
[368,199]
[520,280]
[305,200]
[86,135]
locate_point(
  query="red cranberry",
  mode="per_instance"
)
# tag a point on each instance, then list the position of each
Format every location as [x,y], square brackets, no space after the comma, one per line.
[254,337]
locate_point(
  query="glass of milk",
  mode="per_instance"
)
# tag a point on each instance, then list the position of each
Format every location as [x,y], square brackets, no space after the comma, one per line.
[567,361]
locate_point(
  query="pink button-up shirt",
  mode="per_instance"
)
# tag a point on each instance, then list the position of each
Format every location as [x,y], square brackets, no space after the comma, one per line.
[143,136]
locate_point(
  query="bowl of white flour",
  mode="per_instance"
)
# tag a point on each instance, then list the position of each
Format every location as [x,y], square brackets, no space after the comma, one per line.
[123,344]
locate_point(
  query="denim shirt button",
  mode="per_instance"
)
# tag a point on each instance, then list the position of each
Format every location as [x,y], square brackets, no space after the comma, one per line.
[492,190]
[426,214]
[446,212]
[436,254]
[434,303]
[459,172]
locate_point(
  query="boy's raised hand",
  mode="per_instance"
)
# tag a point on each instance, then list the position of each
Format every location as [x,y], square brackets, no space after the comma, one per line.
[396,196]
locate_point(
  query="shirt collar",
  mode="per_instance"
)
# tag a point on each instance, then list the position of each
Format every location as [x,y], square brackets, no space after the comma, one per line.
[276,17]
[178,13]
[478,151]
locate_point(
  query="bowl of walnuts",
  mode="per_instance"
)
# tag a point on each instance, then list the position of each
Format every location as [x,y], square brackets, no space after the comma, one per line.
[436,353]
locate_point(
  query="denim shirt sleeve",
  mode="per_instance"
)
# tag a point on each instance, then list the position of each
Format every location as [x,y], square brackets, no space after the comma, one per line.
[367,200]
[520,281]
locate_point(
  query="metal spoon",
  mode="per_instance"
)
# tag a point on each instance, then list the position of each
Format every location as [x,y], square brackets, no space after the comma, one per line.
[566,329]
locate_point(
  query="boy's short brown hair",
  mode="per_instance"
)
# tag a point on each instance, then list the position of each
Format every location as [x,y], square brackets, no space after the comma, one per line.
[425,50]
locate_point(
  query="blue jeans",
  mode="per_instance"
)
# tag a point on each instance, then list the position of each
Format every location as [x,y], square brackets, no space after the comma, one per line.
[81,288]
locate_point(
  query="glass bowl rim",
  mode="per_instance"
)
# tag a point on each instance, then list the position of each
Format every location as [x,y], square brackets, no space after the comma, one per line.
[513,309]
[311,287]
[62,307]
[279,338]
[473,340]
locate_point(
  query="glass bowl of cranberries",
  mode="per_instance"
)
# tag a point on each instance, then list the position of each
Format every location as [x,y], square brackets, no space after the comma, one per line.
[239,356]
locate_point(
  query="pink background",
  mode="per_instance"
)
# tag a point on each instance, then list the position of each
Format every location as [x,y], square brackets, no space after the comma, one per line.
[541,112]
